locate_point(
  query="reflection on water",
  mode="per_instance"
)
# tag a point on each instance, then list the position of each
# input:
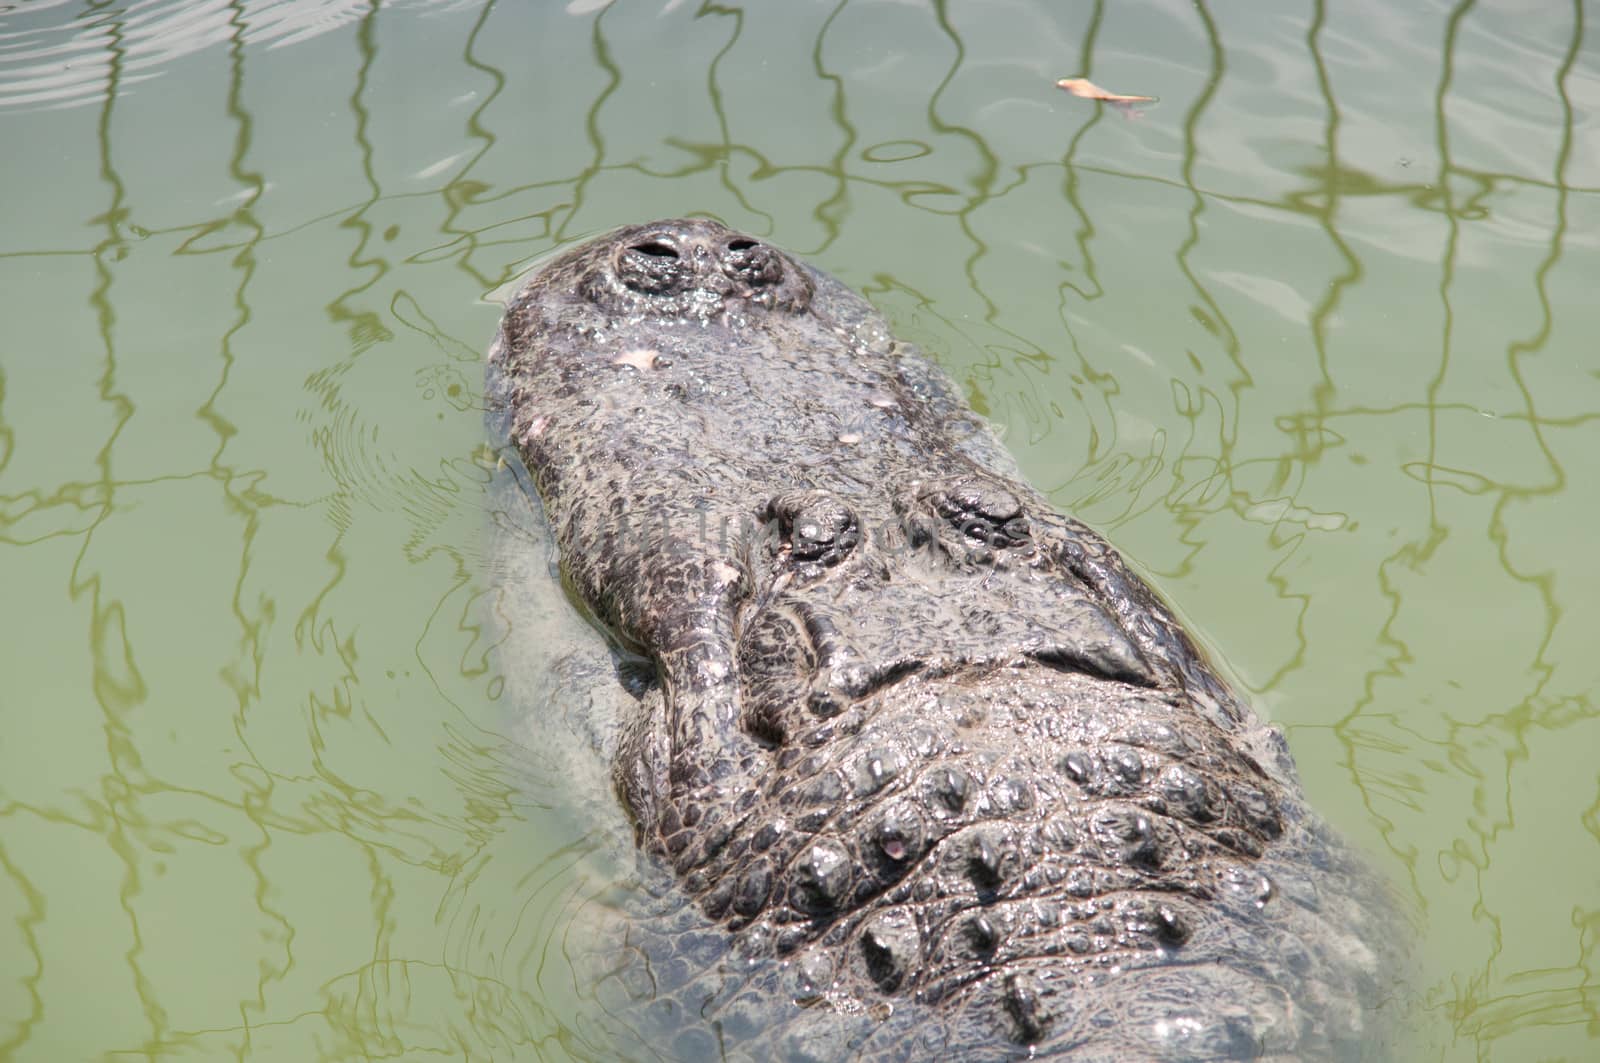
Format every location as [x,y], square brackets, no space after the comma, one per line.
[56,53]
[1310,339]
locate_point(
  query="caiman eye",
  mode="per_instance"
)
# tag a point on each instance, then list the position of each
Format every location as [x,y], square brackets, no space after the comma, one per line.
[653,267]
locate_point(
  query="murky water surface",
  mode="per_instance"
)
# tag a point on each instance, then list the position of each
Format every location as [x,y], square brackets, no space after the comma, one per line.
[1312,339]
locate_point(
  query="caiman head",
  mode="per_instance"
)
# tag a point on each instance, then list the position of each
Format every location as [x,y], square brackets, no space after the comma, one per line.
[914,734]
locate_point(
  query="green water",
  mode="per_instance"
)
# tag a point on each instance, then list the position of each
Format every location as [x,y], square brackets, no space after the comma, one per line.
[1312,339]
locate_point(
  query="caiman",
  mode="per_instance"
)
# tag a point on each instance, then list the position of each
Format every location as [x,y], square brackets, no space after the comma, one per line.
[930,772]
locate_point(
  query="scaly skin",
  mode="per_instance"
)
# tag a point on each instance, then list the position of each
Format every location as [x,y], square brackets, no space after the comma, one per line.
[938,768]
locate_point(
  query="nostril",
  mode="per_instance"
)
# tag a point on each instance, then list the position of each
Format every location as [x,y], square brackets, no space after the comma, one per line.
[653,266]
[754,266]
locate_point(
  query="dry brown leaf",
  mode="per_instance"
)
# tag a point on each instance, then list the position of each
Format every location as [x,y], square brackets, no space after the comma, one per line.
[1088,90]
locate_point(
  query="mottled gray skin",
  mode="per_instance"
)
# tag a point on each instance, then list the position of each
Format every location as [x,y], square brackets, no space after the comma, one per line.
[932,771]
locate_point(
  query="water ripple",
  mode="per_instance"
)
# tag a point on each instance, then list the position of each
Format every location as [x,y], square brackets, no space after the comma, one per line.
[61,53]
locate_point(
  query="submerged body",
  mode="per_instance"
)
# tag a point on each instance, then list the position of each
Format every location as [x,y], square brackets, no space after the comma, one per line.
[931,770]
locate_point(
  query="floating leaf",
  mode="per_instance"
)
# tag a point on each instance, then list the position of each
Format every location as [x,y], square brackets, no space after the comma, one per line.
[1088,90]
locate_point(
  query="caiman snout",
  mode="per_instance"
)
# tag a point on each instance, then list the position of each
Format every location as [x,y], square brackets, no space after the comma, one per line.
[702,261]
